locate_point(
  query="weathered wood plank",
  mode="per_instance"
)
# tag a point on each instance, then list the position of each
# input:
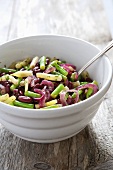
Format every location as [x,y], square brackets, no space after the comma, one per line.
[104,166]
[84,20]
[5,18]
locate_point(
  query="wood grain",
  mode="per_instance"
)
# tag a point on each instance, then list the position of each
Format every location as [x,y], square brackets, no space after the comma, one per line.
[5,21]
[84,20]
[92,148]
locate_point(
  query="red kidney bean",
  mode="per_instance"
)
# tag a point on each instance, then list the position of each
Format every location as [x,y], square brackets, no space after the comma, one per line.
[56,84]
[38,86]
[4,83]
[88,80]
[2,89]
[70,85]
[35,100]
[25,99]
[7,82]
[22,69]
[21,91]
[47,95]
[47,61]
[2,74]
[58,101]
[7,87]
[34,82]
[16,92]
[10,72]
[38,64]
[48,84]
[44,88]
[66,82]
[36,68]
[70,100]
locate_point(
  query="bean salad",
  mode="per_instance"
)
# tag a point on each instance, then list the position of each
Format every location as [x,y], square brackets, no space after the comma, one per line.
[44,83]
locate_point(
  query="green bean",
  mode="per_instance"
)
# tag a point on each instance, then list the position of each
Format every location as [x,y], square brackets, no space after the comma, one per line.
[10,100]
[7,70]
[76,84]
[73,77]
[22,104]
[27,67]
[79,77]
[12,66]
[33,62]
[59,68]
[24,73]
[57,73]
[50,103]
[23,63]
[32,94]
[53,59]
[66,96]
[42,63]
[83,83]
[26,84]
[95,82]
[4,77]
[74,94]
[52,62]
[89,92]
[52,106]
[58,89]
[80,92]
[49,76]
[4,97]
[85,75]
[14,86]
[61,62]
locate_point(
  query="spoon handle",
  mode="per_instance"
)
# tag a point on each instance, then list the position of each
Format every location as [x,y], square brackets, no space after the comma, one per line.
[108,47]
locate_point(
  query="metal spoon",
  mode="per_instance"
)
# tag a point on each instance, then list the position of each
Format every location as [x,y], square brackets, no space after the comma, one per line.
[108,47]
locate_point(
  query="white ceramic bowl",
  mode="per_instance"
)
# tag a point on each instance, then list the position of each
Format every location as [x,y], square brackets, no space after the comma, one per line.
[46,126]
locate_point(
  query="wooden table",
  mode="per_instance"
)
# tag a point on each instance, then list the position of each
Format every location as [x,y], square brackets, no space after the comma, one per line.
[92,148]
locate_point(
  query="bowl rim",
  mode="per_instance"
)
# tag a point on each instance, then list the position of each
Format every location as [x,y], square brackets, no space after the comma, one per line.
[69,107]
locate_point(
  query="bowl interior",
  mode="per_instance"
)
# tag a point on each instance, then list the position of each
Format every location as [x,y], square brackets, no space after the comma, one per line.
[72,50]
